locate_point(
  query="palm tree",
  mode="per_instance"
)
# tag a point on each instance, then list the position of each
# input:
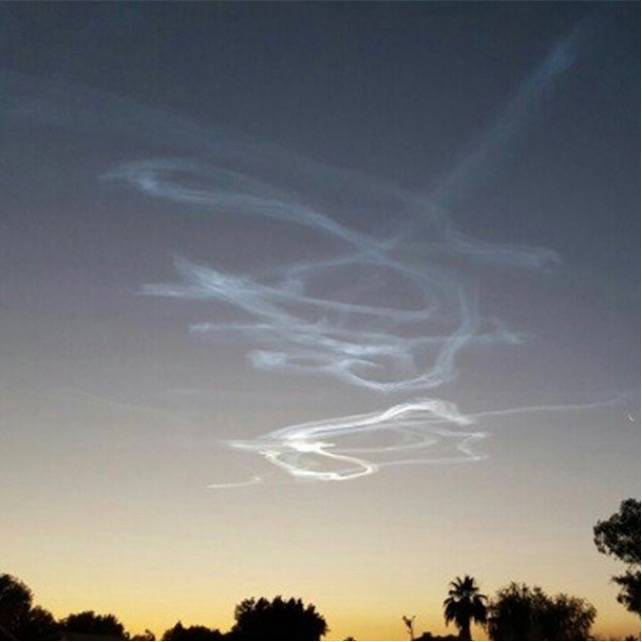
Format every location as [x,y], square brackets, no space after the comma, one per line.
[465,604]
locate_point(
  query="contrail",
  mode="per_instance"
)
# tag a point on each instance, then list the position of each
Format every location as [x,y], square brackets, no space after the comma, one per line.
[314,450]
[294,329]
[288,316]
[306,450]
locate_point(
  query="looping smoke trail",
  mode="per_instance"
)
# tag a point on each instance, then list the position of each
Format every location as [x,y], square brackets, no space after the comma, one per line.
[294,326]
[299,332]
[306,450]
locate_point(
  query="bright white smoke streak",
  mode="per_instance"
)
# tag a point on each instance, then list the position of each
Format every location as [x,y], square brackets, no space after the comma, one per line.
[300,449]
[292,329]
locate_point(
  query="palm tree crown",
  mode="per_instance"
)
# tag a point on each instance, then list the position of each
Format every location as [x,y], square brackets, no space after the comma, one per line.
[465,604]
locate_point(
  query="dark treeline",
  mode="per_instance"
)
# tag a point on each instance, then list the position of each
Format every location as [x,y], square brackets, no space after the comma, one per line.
[516,612]
[262,619]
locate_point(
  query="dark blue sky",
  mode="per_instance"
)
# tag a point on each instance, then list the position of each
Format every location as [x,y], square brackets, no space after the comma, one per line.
[230,230]
[398,90]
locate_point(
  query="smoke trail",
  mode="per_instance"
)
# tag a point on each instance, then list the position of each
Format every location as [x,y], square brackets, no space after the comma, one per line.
[304,450]
[492,146]
[384,349]
[289,315]
[314,450]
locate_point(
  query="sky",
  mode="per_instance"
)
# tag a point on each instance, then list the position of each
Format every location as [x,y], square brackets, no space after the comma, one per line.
[332,300]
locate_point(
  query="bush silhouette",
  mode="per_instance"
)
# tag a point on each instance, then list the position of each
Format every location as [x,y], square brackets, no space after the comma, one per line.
[180,632]
[40,625]
[278,619]
[87,625]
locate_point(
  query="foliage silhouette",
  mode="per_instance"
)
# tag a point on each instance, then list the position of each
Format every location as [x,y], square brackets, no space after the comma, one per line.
[427,636]
[41,625]
[518,612]
[87,625]
[278,619]
[465,604]
[146,636]
[619,536]
[19,620]
[15,604]
[180,632]
[521,613]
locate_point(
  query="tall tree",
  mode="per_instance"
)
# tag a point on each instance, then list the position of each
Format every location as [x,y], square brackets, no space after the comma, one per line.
[465,604]
[277,619]
[619,536]
[519,612]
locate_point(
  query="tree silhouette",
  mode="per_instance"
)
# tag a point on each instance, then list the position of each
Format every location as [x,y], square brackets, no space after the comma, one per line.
[15,604]
[277,620]
[19,620]
[410,625]
[521,613]
[40,625]
[87,625]
[465,604]
[619,536]
[180,632]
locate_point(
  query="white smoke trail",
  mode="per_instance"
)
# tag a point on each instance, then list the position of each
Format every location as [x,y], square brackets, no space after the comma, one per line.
[307,450]
[385,349]
[303,450]
[290,325]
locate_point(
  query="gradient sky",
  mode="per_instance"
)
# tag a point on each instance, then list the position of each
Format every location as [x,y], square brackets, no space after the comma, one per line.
[196,198]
